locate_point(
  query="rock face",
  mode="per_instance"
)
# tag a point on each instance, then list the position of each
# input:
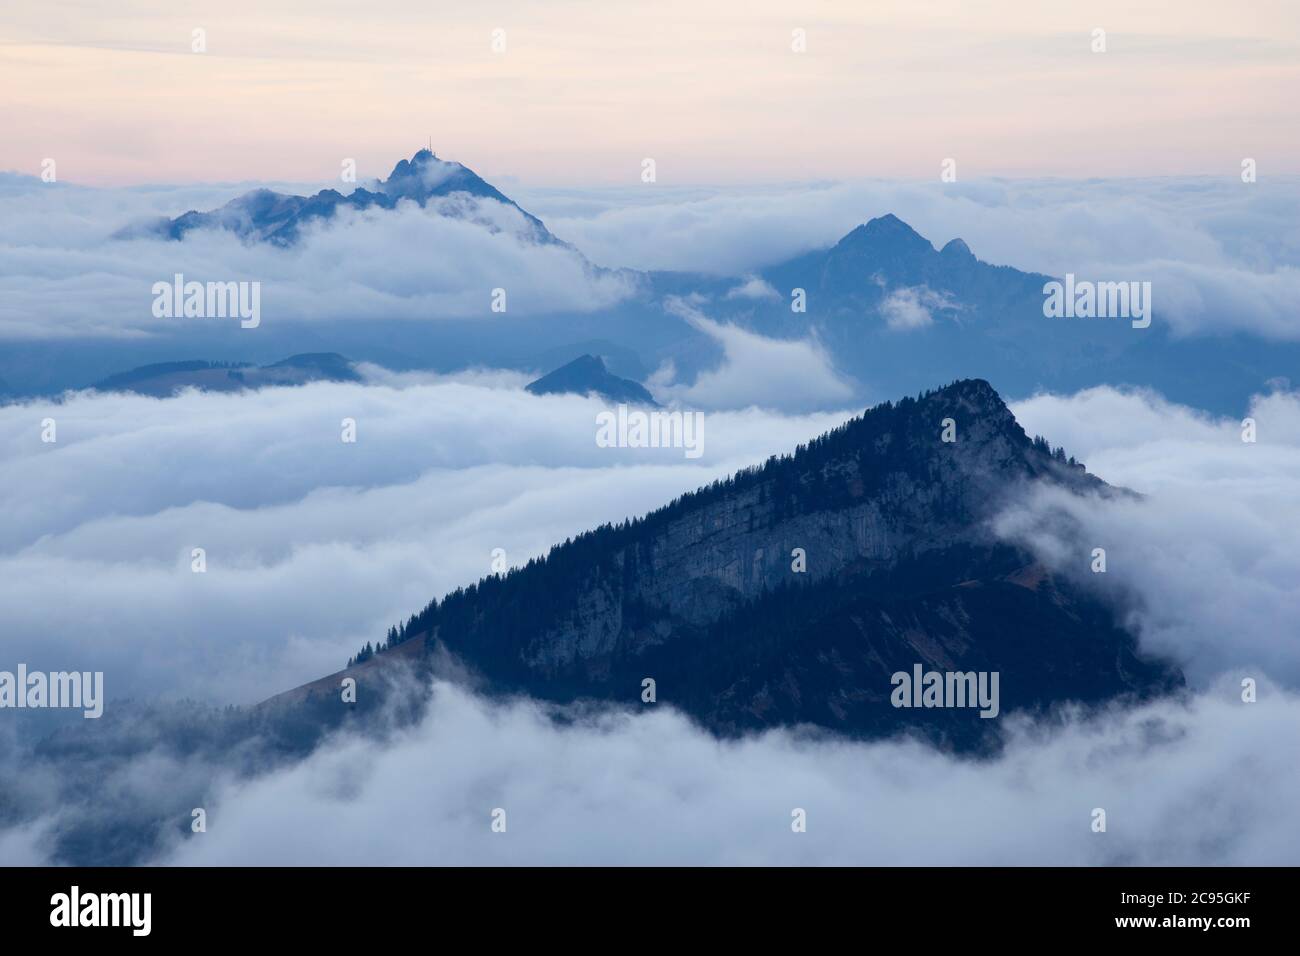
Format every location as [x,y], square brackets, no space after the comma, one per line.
[587,375]
[890,522]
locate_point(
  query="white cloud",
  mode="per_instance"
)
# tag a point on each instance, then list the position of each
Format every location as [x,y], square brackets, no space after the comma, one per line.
[1181,784]
[753,288]
[1210,553]
[913,307]
[61,273]
[787,374]
[313,546]
[1222,256]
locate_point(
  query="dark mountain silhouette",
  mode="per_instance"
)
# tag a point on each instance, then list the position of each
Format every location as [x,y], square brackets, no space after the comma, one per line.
[587,375]
[278,218]
[901,569]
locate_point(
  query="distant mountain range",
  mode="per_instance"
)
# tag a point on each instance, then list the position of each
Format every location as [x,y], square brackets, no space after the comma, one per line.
[164,379]
[893,313]
[707,595]
[587,375]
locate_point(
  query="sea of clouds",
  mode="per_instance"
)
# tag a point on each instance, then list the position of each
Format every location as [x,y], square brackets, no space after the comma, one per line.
[63,272]
[314,546]
[1224,255]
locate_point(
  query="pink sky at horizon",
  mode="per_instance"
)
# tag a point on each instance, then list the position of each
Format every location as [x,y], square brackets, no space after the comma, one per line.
[584,90]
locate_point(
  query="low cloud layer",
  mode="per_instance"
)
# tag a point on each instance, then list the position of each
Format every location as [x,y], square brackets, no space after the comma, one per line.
[1211,551]
[913,307]
[63,274]
[1222,255]
[787,374]
[313,546]
[1191,782]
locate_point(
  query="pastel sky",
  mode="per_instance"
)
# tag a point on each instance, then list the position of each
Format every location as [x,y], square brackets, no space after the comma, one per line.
[585,89]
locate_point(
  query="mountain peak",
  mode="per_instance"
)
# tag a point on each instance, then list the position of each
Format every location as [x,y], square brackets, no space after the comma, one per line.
[587,375]
[424,175]
[889,234]
[269,216]
[976,389]
[957,247]
[902,568]
[887,225]
[887,221]
[417,164]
